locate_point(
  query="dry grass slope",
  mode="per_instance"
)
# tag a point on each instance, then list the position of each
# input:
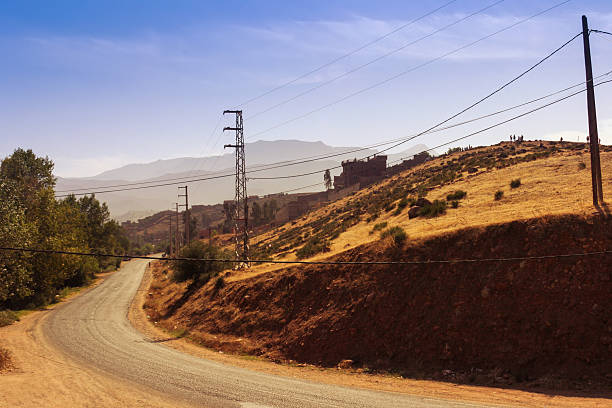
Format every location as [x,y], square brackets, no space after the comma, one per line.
[555,180]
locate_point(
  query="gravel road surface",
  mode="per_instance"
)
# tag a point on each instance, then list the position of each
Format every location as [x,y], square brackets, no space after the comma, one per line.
[94,329]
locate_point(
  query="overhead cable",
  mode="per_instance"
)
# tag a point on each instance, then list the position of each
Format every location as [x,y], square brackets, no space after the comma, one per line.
[274,261]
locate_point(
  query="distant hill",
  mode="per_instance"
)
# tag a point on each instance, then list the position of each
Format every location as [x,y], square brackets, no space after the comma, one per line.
[133,204]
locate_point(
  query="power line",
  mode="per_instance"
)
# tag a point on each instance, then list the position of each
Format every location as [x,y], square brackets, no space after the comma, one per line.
[359,67]
[304,161]
[340,58]
[273,261]
[447,143]
[389,79]
[301,188]
[270,166]
[208,145]
[497,90]
[601,32]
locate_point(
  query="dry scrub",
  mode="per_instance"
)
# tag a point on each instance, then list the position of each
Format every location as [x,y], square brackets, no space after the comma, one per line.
[5,359]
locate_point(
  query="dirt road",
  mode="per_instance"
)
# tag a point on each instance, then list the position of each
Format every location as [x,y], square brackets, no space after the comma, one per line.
[94,330]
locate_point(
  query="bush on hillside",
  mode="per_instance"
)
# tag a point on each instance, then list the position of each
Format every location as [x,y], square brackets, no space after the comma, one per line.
[581,166]
[455,204]
[438,207]
[498,195]
[379,227]
[219,283]
[200,270]
[314,246]
[397,235]
[457,195]
[403,203]
[516,183]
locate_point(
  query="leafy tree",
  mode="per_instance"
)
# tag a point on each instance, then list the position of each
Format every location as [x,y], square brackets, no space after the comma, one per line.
[200,270]
[327,180]
[15,276]
[31,217]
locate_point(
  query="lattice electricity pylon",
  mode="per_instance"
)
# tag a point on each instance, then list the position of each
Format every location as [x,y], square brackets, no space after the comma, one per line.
[241,212]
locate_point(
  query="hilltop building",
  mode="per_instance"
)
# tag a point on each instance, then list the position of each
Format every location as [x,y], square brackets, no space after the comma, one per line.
[417,159]
[361,172]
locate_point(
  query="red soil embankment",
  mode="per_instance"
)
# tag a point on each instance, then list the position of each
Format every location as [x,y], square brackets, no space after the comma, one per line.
[548,320]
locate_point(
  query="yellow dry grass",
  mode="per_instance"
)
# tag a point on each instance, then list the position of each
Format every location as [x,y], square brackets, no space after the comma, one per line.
[551,186]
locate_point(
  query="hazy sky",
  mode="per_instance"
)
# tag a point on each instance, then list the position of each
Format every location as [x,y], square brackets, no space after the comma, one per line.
[95,85]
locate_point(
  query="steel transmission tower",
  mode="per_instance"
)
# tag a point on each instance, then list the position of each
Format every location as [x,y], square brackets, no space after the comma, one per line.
[241,211]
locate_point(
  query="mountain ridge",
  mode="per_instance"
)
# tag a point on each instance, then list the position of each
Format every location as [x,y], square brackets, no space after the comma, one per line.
[127,204]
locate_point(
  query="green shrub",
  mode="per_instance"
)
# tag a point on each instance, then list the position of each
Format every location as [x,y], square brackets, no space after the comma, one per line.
[7,317]
[581,166]
[454,203]
[219,283]
[180,332]
[457,195]
[516,183]
[200,270]
[403,203]
[380,226]
[438,207]
[397,234]
[389,207]
[498,195]
[314,246]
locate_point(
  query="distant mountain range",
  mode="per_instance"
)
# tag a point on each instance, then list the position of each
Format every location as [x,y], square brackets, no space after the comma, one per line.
[133,204]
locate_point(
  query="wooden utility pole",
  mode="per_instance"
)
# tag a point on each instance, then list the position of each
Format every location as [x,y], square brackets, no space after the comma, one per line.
[593,133]
[187,218]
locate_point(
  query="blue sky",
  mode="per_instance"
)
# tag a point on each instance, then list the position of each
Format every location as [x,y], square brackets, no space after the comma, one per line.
[95,85]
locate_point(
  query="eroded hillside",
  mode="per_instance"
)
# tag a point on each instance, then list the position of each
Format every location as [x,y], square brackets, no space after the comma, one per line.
[544,322]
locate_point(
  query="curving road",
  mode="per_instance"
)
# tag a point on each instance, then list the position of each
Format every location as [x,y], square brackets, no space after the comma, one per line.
[94,329]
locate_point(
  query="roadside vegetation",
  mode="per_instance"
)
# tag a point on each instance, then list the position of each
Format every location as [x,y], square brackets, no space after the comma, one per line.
[7,317]
[200,271]
[31,217]
[5,359]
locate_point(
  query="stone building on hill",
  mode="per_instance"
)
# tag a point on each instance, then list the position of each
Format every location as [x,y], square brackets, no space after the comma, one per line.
[417,159]
[362,172]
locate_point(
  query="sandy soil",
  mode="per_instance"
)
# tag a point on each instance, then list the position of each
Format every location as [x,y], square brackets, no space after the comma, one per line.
[353,378]
[45,377]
